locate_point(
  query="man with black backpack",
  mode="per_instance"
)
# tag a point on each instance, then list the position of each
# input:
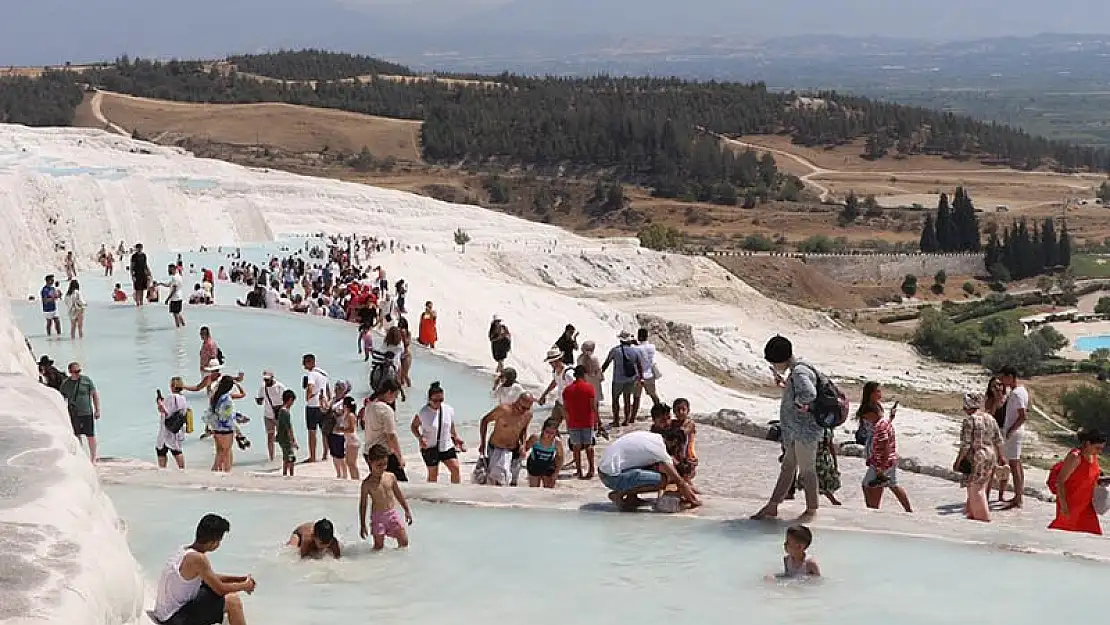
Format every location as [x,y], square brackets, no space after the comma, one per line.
[801,432]
[625,359]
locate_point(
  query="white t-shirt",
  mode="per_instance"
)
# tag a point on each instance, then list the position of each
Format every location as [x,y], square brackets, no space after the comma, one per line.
[508,394]
[1018,400]
[175,402]
[177,287]
[272,297]
[635,450]
[271,398]
[561,384]
[647,359]
[430,425]
[319,381]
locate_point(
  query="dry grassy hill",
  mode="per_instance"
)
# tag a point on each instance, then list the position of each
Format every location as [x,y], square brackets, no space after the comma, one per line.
[283,126]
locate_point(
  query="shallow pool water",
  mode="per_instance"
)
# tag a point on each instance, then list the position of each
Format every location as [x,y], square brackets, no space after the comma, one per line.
[1091,343]
[548,568]
[129,352]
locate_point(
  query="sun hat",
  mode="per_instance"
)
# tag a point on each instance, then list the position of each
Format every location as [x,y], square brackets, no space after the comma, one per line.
[214,365]
[267,375]
[973,401]
[553,354]
[45,361]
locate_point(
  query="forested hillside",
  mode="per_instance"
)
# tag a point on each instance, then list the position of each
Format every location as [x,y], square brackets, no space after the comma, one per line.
[50,100]
[642,130]
[314,65]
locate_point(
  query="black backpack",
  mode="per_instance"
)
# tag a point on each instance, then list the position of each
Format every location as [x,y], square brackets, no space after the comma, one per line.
[383,368]
[175,421]
[830,408]
[628,363]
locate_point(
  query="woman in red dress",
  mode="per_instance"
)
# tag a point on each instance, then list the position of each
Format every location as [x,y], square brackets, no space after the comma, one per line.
[427,334]
[1075,486]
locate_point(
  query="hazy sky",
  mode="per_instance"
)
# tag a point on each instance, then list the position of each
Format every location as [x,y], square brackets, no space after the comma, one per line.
[51,31]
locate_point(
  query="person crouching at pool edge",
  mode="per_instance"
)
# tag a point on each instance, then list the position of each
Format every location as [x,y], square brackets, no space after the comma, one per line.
[643,462]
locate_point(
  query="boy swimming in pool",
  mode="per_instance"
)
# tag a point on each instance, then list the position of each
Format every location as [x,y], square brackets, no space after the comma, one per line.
[384,493]
[795,563]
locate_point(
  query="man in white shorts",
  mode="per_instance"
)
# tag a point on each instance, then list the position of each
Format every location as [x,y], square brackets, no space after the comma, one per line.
[50,295]
[510,425]
[1013,430]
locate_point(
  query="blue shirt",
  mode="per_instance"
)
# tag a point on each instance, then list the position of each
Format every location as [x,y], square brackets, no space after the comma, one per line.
[48,304]
[801,388]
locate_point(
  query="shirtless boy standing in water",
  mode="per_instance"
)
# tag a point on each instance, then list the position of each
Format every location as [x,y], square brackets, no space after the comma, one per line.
[383,491]
[312,540]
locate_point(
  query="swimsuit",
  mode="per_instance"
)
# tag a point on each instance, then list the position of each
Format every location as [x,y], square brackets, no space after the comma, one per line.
[386,523]
[541,462]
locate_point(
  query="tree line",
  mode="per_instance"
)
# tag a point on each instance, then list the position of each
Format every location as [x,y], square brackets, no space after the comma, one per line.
[50,100]
[643,130]
[1024,252]
[311,64]
[955,228]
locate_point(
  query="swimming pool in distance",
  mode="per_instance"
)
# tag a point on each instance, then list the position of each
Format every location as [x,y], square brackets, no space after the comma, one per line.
[1091,343]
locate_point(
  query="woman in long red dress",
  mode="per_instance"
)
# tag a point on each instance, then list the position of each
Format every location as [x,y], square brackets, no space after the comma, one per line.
[427,335]
[1075,486]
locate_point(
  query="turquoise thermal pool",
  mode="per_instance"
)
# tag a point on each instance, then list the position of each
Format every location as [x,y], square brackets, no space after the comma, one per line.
[547,567]
[130,352]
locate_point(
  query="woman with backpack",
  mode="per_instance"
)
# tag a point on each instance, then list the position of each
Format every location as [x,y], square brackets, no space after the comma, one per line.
[980,452]
[75,306]
[1073,481]
[172,411]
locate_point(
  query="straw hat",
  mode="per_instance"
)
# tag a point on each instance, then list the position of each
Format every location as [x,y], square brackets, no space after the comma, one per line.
[553,354]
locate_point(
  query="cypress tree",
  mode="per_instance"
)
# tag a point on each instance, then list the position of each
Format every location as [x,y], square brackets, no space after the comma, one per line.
[1049,245]
[1064,258]
[928,243]
[944,226]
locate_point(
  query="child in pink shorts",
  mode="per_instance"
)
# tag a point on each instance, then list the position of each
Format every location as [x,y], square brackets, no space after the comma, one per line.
[383,492]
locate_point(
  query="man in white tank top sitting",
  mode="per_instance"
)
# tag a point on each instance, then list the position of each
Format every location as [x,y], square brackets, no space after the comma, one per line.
[190,592]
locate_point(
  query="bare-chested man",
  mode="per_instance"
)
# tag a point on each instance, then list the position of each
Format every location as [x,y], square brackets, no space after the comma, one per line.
[312,540]
[510,425]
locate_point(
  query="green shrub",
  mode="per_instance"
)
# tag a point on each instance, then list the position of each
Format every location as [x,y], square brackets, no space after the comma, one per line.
[969,287]
[899,317]
[660,237]
[938,337]
[909,285]
[1088,405]
[757,243]
[1103,305]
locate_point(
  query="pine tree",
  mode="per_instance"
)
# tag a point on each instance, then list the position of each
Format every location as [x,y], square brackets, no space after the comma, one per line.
[850,212]
[928,243]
